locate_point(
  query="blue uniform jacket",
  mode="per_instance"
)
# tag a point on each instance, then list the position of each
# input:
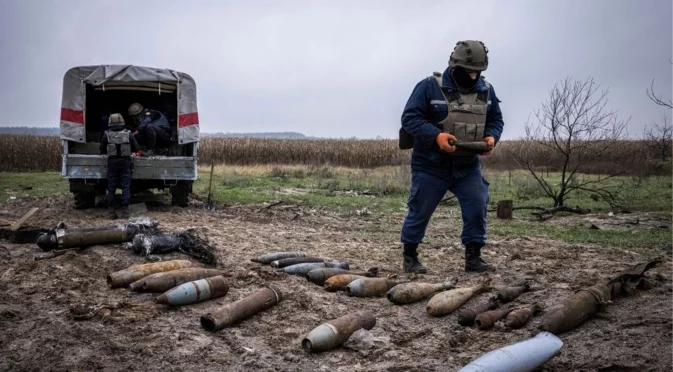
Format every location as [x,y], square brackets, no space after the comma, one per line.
[420,116]
[154,117]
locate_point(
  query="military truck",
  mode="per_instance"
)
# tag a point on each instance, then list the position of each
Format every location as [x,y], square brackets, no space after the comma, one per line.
[92,93]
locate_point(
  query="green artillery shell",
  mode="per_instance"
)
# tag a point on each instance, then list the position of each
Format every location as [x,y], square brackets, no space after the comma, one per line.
[487,319]
[241,309]
[575,310]
[334,333]
[195,291]
[446,302]
[340,282]
[269,257]
[510,293]
[294,260]
[162,282]
[125,277]
[369,287]
[519,317]
[466,316]
[407,293]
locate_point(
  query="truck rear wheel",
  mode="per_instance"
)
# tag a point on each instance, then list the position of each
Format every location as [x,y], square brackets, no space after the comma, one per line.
[180,195]
[84,199]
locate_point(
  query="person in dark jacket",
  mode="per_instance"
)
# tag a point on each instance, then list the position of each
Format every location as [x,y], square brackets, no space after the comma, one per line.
[456,105]
[119,145]
[153,127]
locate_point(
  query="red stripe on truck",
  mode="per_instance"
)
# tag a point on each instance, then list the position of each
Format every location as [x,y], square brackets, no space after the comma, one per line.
[188,119]
[73,116]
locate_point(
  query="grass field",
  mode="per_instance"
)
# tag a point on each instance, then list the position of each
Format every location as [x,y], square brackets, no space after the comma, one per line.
[384,190]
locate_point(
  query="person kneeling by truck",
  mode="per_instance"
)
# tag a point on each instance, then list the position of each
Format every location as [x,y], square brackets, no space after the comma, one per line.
[119,145]
[153,127]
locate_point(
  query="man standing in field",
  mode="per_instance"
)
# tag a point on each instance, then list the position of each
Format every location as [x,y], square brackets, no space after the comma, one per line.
[118,144]
[456,105]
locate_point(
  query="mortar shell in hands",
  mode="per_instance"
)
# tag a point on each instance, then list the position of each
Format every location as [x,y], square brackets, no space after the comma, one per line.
[487,319]
[125,277]
[195,291]
[406,293]
[340,282]
[162,282]
[241,309]
[293,261]
[524,356]
[334,333]
[446,302]
[466,316]
[369,287]
[270,257]
[303,268]
[519,317]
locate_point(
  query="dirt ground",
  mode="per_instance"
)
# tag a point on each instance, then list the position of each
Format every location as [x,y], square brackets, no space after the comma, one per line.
[37,332]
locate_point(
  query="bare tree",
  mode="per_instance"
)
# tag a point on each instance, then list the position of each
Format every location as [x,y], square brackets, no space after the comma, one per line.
[575,127]
[656,98]
[660,136]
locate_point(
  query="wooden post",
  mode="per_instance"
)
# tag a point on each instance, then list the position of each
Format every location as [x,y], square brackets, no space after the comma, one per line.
[505,209]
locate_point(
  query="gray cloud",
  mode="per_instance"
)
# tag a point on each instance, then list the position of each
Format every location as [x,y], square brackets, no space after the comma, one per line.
[337,69]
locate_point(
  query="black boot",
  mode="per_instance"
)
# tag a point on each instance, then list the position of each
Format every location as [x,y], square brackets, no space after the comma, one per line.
[124,212]
[111,213]
[473,261]
[411,262]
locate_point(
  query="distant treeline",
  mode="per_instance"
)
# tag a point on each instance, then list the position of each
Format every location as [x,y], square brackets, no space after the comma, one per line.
[637,158]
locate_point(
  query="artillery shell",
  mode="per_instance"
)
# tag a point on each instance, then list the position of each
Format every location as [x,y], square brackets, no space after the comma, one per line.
[487,319]
[195,291]
[269,257]
[241,309]
[369,287]
[511,293]
[294,260]
[519,317]
[466,316]
[125,277]
[332,334]
[340,282]
[303,268]
[407,293]
[162,282]
[575,310]
[446,302]
[320,275]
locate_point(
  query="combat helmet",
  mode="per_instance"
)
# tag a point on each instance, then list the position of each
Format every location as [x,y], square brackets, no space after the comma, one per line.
[470,55]
[135,109]
[116,120]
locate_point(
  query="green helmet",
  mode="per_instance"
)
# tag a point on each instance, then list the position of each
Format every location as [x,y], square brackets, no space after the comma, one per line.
[135,109]
[116,119]
[469,54]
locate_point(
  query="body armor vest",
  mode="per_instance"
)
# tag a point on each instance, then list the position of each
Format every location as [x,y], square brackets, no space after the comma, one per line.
[119,143]
[466,117]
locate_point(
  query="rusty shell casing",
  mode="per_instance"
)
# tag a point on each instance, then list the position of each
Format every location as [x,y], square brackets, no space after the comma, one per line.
[334,333]
[466,316]
[340,282]
[320,275]
[476,146]
[369,287]
[270,257]
[304,268]
[511,293]
[487,319]
[576,310]
[294,260]
[69,239]
[162,282]
[519,317]
[195,291]
[407,293]
[241,309]
[125,277]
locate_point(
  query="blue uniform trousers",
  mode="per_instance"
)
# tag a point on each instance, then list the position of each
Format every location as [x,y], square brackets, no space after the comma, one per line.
[119,176]
[427,190]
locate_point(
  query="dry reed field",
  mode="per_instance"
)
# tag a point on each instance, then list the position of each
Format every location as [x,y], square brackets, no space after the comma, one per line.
[41,153]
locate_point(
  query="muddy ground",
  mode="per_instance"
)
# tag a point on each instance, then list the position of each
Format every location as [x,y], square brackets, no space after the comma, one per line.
[37,332]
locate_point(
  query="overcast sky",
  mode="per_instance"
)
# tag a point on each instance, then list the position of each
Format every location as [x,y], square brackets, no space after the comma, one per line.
[335,69]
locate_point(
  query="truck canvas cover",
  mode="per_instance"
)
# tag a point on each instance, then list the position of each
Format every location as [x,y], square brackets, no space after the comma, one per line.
[72,126]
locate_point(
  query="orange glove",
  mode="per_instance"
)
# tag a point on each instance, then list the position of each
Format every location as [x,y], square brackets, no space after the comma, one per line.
[443,139]
[490,141]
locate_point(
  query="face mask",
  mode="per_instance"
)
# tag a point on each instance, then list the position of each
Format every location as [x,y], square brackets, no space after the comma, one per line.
[463,79]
